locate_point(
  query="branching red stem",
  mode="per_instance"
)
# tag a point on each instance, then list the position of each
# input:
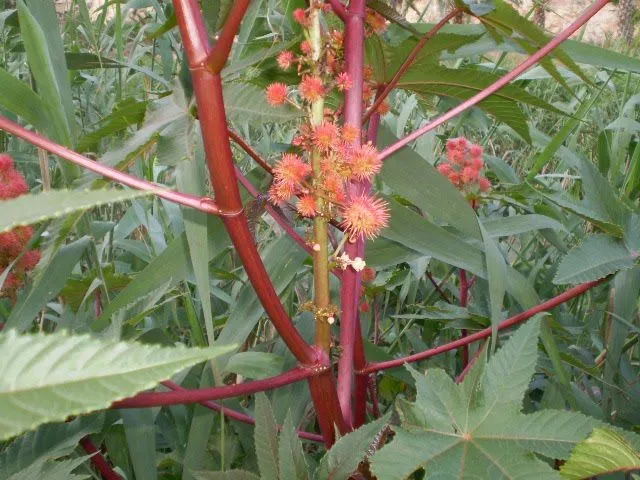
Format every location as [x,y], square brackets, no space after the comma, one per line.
[510,322]
[156,399]
[508,78]
[409,61]
[206,205]
[101,464]
[241,417]
[220,52]
[212,115]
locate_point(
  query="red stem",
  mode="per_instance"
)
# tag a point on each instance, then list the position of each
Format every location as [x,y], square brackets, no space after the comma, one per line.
[351,280]
[339,9]
[156,399]
[359,360]
[464,300]
[107,472]
[409,61]
[241,417]
[220,53]
[211,112]
[510,322]
[208,92]
[493,88]
[203,204]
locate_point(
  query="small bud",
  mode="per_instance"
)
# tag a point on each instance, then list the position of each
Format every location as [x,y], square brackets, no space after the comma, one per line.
[331,320]
[316,247]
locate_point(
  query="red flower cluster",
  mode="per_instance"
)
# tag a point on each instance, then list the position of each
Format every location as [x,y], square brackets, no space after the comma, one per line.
[13,184]
[464,166]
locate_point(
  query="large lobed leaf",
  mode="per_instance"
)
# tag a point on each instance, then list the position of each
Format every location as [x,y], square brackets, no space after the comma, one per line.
[476,429]
[47,378]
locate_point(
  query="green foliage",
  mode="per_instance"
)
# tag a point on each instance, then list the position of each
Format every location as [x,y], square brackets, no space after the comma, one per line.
[604,452]
[476,428]
[83,374]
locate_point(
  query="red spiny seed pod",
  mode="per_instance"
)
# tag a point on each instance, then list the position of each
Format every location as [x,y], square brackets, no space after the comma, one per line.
[12,185]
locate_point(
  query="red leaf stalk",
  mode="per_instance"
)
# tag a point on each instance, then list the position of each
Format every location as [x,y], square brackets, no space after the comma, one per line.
[339,9]
[242,143]
[157,399]
[510,322]
[101,464]
[351,280]
[203,204]
[409,61]
[508,78]
[241,417]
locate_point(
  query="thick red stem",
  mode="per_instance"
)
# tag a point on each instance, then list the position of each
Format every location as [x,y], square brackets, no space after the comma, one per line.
[208,91]
[220,53]
[204,204]
[508,78]
[510,322]
[156,399]
[101,464]
[241,417]
[211,112]
[351,280]
[408,62]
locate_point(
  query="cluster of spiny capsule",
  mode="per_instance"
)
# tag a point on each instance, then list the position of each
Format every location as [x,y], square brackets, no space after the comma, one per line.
[464,165]
[339,158]
[13,184]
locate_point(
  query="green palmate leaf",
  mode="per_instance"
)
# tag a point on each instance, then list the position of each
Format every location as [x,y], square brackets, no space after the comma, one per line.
[38,207]
[412,177]
[597,257]
[292,462]
[463,83]
[476,429]
[247,103]
[345,455]
[266,439]
[600,196]
[20,100]
[255,364]
[47,443]
[416,233]
[47,378]
[383,252]
[517,224]
[605,451]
